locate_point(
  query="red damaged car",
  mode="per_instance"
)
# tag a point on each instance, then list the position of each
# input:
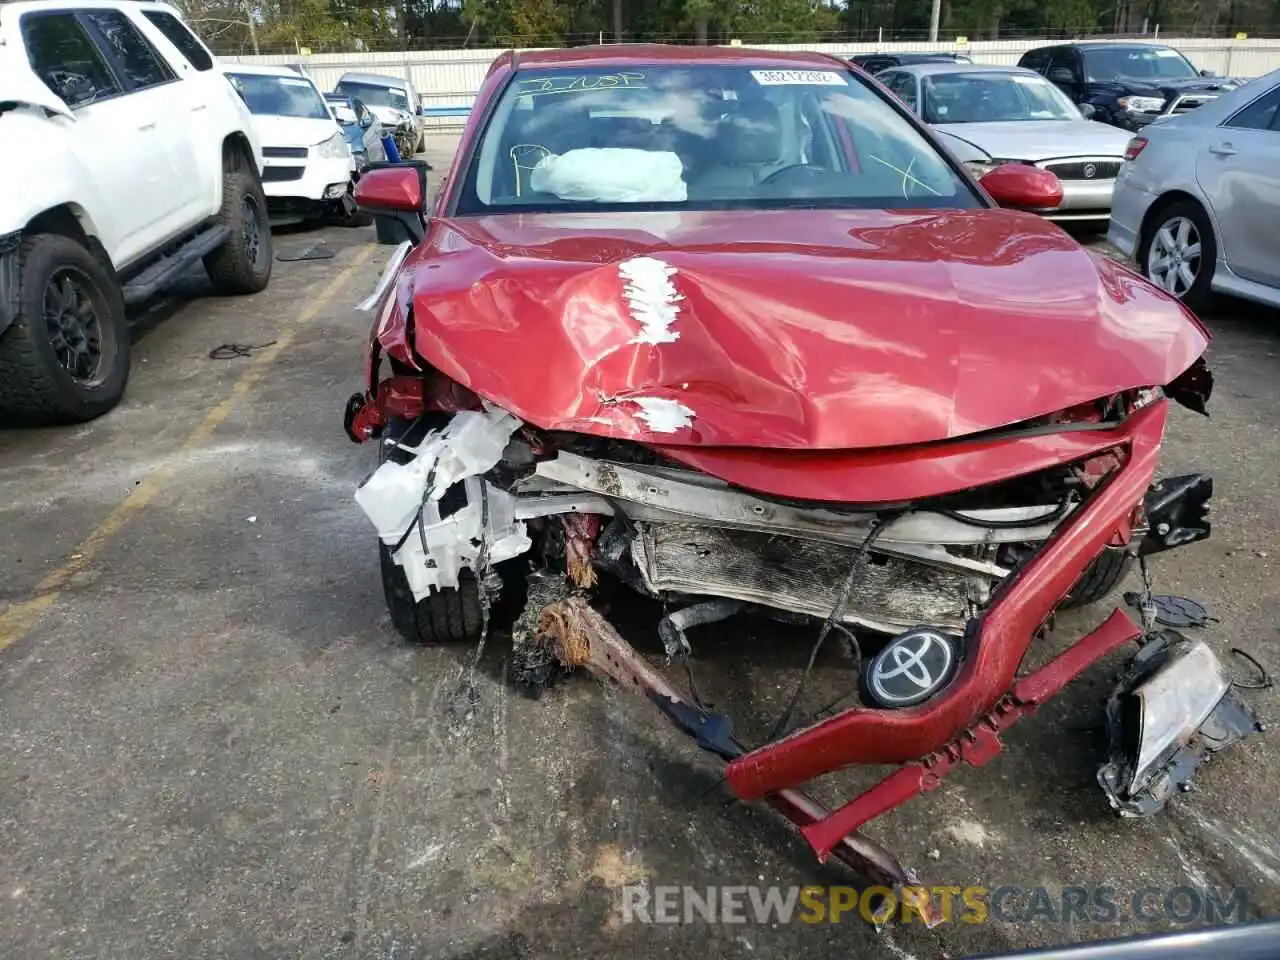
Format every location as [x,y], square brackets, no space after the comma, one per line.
[731,329]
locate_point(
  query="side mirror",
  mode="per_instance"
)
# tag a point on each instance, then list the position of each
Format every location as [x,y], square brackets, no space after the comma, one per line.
[420,112]
[1088,111]
[1061,75]
[394,193]
[1021,187]
[1210,74]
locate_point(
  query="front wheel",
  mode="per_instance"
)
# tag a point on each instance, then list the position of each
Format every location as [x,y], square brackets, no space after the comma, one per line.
[1179,252]
[65,358]
[443,616]
[242,265]
[1099,579]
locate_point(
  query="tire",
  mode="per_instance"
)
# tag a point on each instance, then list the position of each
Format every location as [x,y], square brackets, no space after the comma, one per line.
[242,265]
[1163,239]
[65,358]
[357,219]
[1100,578]
[444,616]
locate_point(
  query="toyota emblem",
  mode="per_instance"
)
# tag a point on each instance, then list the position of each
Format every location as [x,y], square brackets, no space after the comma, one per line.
[1090,171]
[911,668]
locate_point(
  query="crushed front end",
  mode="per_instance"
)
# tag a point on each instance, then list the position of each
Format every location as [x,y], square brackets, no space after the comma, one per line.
[940,592]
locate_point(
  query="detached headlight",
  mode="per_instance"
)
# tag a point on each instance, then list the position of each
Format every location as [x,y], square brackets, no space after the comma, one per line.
[1142,104]
[335,148]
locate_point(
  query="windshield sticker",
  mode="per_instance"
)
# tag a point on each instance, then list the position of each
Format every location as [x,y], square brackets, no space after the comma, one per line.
[290,82]
[541,86]
[1030,81]
[807,78]
[1167,52]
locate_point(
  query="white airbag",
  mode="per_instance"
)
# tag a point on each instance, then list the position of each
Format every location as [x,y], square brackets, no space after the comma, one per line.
[612,175]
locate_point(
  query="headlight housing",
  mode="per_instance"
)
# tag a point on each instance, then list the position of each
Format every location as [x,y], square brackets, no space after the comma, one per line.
[335,148]
[1142,104]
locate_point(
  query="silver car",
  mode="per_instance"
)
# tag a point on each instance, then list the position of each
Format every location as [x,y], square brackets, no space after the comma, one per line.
[1198,200]
[990,115]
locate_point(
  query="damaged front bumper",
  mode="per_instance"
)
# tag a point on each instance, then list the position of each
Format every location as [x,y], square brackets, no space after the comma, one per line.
[985,579]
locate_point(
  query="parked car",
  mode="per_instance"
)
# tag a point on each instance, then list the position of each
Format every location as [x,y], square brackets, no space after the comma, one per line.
[875,62]
[361,128]
[729,328]
[129,159]
[995,115]
[1198,201]
[395,103]
[1127,84]
[308,163]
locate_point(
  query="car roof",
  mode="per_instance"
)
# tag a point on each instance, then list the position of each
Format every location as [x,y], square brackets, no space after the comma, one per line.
[273,70]
[911,55]
[619,54]
[16,8]
[1100,45]
[374,79]
[929,69]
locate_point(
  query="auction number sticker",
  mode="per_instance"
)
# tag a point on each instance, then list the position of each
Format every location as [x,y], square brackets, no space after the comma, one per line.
[807,78]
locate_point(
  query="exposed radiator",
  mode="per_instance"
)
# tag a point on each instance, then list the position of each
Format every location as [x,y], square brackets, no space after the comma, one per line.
[803,576]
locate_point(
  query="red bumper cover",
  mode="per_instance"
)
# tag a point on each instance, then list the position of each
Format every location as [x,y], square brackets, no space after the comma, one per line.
[871,736]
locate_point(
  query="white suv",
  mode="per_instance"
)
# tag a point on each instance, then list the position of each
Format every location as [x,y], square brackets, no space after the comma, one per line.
[133,158]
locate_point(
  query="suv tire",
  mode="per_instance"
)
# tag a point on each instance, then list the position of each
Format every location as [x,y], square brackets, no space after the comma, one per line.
[242,265]
[65,357]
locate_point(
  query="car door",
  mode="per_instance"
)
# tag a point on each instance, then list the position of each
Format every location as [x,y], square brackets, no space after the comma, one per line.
[159,97]
[121,145]
[1238,168]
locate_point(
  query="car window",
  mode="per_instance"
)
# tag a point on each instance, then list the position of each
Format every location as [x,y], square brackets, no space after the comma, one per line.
[176,32]
[702,137]
[375,95]
[139,61]
[1137,63]
[66,59]
[1262,114]
[992,97]
[275,96]
[1064,58]
[904,85]
[1036,60]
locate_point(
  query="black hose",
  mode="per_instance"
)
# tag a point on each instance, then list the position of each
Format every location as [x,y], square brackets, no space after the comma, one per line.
[878,527]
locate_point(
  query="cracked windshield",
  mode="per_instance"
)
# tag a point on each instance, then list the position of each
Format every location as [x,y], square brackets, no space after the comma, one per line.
[711,137]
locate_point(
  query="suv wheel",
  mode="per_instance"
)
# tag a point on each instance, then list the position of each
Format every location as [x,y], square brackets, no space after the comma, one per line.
[242,264]
[1179,252]
[65,358]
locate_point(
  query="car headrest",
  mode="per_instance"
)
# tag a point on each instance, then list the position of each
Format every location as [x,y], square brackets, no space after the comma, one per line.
[749,131]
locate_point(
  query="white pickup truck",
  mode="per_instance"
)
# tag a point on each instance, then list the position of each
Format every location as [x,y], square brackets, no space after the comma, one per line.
[127,158]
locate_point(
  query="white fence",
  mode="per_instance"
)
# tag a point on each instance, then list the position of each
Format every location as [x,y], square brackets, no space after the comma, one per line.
[451,78]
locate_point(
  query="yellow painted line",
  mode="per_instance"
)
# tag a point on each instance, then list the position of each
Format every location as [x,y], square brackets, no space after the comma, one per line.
[21,617]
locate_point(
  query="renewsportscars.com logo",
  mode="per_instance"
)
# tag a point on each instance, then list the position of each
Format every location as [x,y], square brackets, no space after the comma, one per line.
[643,903]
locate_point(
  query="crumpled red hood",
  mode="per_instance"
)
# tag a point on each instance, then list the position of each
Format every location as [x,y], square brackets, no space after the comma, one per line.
[797,329]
